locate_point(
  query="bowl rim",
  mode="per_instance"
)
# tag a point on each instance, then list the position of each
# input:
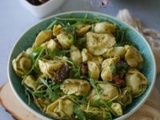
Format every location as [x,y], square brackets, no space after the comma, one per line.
[85,12]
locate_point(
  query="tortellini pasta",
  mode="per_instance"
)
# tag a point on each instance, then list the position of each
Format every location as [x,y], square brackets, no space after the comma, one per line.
[75,55]
[42,37]
[136,81]
[115,51]
[42,103]
[93,70]
[29,50]
[117,108]
[133,57]
[107,93]
[30,81]
[62,108]
[86,55]
[82,29]
[22,63]
[65,40]
[98,44]
[108,68]
[78,69]
[50,45]
[110,62]
[75,86]
[104,27]
[106,74]
[49,67]
[125,97]
[57,29]
[98,60]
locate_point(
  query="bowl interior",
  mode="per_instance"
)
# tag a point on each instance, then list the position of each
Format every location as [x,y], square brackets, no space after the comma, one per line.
[27,39]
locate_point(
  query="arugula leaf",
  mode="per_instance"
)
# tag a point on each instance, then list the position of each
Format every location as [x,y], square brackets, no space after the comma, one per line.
[28,92]
[51,25]
[35,56]
[56,52]
[81,42]
[53,92]
[76,70]
[79,113]
[74,20]
[97,103]
[113,68]
[36,53]
[80,99]
[93,84]
[120,36]
[39,93]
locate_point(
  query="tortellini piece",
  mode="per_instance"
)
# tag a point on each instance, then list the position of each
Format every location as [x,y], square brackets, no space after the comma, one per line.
[110,62]
[104,27]
[117,108]
[42,37]
[125,97]
[65,40]
[62,108]
[22,63]
[75,55]
[57,29]
[50,45]
[98,60]
[97,44]
[81,29]
[77,87]
[29,50]
[133,57]
[93,70]
[109,68]
[115,51]
[42,103]
[106,74]
[107,92]
[49,67]
[86,55]
[30,81]
[136,81]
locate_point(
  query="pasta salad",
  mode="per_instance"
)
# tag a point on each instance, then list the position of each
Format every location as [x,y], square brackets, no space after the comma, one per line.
[81,69]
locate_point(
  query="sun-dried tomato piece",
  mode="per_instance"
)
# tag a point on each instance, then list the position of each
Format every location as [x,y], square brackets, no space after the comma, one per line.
[84,68]
[118,81]
[62,73]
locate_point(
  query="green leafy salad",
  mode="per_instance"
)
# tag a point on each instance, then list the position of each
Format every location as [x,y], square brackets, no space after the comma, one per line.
[81,69]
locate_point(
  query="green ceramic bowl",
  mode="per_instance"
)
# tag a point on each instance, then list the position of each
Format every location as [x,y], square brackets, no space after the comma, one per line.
[26,40]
